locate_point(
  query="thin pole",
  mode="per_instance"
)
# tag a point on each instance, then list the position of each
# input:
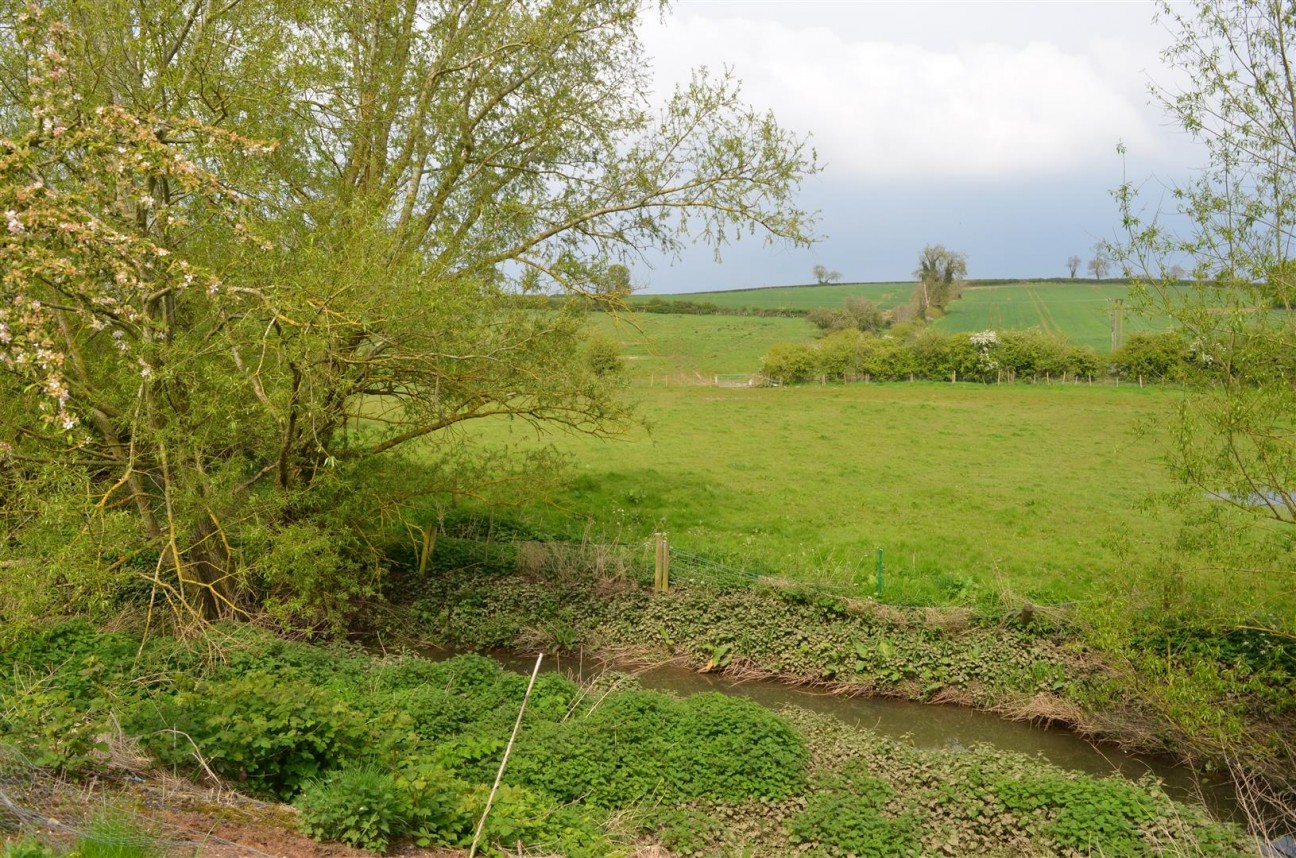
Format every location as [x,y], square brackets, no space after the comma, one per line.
[499,776]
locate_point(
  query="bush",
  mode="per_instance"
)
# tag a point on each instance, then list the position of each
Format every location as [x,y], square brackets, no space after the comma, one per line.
[603,355]
[439,810]
[732,749]
[358,806]
[268,734]
[790,363]
[1155,357]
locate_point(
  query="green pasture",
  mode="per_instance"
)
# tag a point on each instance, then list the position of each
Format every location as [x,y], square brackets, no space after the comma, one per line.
[696,347]
[1036,490]
[1079,311]
[811,297]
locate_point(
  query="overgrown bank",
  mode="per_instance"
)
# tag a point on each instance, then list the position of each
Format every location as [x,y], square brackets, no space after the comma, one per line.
[378,752]
[1213,696]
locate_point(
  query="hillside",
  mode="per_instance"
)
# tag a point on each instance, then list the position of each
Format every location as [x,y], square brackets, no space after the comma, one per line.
[1079,310]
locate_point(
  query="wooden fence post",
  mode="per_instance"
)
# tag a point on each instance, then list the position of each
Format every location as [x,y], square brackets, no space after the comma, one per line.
[661,565]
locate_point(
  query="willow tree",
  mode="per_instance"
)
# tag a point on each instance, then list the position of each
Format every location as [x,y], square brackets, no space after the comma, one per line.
[1235,438]
[268,261]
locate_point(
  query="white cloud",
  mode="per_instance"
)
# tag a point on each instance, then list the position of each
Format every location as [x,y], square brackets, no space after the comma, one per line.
[898,111]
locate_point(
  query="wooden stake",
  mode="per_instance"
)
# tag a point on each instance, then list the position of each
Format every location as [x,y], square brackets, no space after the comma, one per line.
[499,776]
[661,564]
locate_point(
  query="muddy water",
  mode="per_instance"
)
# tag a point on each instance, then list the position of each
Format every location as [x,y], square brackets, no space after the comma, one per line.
[926,726]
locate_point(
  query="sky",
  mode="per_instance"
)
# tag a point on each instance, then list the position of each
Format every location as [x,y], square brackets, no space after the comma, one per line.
[988,126]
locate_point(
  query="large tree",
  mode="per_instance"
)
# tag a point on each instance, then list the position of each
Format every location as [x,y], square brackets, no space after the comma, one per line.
[940,274]
[261,261]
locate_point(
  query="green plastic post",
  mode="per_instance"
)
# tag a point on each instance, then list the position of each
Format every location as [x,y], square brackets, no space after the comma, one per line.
[879,589]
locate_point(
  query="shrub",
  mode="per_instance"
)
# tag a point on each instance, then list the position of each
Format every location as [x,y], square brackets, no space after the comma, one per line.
[269,734]
[439,811]
[603,355]
[358,806]
[1155,357]
[790,362]
[614,756]
[731,749]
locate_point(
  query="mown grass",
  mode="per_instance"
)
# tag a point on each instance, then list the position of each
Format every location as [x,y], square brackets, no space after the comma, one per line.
[1079,311]
[1038,490]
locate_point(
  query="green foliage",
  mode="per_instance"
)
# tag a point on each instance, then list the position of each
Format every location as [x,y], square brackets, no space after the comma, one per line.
[790,363]
[223,385]
[266,733]
[1090,815]
[844,816]
[928,354]
[683,831]
[640,743]
[604,356]
[360,806]
[439,811]
[729,749]
[1156,357]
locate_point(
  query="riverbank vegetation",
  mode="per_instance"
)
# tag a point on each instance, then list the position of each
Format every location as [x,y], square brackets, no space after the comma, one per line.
[377,752]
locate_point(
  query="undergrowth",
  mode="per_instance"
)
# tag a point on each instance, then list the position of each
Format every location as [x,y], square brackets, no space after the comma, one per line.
[381,751]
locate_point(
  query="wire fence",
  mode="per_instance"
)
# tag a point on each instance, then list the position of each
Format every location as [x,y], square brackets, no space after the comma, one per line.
[868,578]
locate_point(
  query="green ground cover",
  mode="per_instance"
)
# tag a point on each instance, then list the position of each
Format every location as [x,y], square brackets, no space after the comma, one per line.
[1079,311]
[1037,489]
[384,753]
[796,297]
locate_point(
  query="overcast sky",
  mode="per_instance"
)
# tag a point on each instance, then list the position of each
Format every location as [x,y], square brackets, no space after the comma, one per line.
[989,126]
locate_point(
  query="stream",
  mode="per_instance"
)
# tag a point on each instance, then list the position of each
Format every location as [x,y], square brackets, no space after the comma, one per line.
[923,725]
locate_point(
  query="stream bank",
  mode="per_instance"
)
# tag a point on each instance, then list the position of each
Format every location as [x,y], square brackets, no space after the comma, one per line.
[1035,666]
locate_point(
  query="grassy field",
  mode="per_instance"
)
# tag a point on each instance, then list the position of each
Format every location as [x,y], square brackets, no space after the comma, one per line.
[797,297]
[653,344]
[1032,489]
[1079,311]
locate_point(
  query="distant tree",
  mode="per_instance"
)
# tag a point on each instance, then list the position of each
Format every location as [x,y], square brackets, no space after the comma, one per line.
[616,283]
[1073,265]
[824,275]
[940,276]
[1178,272]
[1099,265]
